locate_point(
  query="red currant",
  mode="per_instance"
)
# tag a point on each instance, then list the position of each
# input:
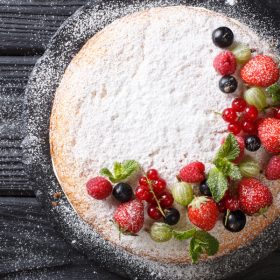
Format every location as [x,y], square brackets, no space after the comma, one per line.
[221,206]
[152,174]
[143,194]
[238,104]
[151,199]
[166,200]
[248,127]
[232,203]
[143,181]
[229,115]
[159,186]
[251,113]
[153,212]
[234,128]
[277,113]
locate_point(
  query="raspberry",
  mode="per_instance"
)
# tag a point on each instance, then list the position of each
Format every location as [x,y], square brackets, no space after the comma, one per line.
[99,188]
[260,71]
[272,171]
[193,172]
[225,63]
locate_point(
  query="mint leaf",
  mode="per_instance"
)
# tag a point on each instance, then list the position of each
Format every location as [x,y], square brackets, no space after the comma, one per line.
[228,169]
[229,150]
[184,234]
[107,173]
[234,172]
[118,170]
[202,242]
[274,92]
[211,246]
[194,250]
[217,183]
[121,171]
[129,166]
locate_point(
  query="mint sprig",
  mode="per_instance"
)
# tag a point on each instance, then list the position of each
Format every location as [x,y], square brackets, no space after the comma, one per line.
[121,171]
[217,183]
[201,242]
[224,167]
[274,92]
[229,150]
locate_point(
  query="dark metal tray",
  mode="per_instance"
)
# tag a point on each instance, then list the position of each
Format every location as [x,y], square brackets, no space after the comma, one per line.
[39,96]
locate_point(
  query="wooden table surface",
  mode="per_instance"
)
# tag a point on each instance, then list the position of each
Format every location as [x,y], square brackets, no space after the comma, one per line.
[30,246]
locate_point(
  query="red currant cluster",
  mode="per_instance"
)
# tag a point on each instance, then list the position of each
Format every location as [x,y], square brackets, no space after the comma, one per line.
[241,117]
[152,189]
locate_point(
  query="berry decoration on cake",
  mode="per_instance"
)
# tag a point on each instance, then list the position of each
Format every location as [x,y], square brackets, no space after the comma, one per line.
[230,187]
[260,71]
[254,196]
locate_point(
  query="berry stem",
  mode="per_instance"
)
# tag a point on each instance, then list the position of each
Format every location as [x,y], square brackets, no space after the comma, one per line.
[155,197]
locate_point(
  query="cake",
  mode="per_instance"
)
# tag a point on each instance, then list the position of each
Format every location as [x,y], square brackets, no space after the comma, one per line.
[144,88]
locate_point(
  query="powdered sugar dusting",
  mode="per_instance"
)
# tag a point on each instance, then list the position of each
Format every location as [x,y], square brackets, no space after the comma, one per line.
[232,2]
[151,97]
[41,86]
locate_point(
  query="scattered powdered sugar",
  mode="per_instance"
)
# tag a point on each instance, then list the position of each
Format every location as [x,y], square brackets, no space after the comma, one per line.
[232,2]
[165,71]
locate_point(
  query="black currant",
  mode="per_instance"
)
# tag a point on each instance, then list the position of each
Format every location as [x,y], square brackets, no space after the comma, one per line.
[228,84]
[252,143]
[172,216]
[235,221]
[222,37]
[204,189]
[122,192]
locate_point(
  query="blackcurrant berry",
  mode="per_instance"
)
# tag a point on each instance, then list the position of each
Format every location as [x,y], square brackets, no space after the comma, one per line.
[228,84]
[252,143]
[235,221]
[204,189]
[172,216]
[222,37]
[122,192]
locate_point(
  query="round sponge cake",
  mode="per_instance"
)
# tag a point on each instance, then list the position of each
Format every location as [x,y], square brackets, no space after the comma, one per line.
[144,88]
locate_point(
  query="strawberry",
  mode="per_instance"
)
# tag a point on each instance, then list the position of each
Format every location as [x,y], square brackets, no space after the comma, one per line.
[203,212]
[260,71]
[193,172]
[272,171]
[99,188]
[130,216]
[269,134]
[254,197]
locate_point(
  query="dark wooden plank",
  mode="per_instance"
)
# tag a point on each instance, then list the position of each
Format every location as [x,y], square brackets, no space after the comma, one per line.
[14,73]
[27,26]
[29,240]
[73,272]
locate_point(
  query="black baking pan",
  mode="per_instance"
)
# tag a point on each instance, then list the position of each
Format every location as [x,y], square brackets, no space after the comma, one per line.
[39,96]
